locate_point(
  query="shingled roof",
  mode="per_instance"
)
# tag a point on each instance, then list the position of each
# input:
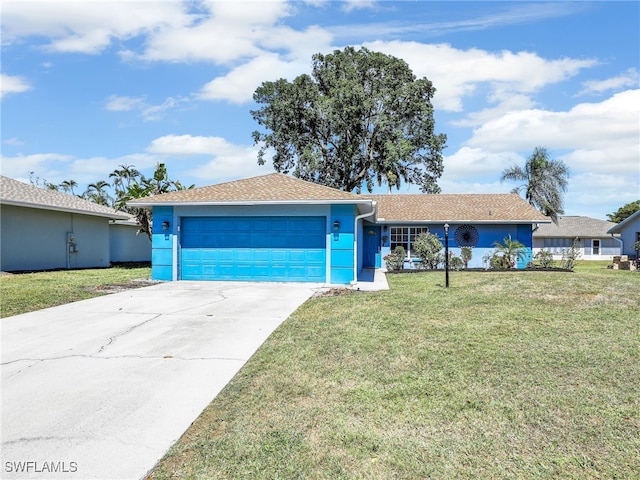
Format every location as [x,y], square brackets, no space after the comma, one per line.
[280,188]
[13,192]
[271,188]
[438,208]
[575,226]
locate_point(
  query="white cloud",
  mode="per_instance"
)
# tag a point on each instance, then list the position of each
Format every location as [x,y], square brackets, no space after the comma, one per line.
[42,164]
[612,189]
[158,112]
[510,14]
[56,167]
[149,112]
[226,32]
[511,78]
[185,145]
[456,73]
[476,163]
[12,84]
[611,126]
[350,5]
[600,142]
[86,27]
[13,141]
[511,103]
[628,78]
[123,104]
[225,160]
[240,83]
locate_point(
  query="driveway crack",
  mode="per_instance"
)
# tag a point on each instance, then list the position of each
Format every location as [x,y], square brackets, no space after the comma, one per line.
[126,332]
[115,357]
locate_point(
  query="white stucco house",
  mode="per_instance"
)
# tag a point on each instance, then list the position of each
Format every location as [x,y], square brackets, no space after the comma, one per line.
[591,235]
[629,231]
[44,229]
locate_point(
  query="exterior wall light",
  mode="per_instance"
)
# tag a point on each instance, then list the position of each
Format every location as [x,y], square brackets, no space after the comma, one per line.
[165,225]
[336,225]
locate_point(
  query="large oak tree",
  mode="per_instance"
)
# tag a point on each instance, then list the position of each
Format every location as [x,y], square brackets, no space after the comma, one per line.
[361,118]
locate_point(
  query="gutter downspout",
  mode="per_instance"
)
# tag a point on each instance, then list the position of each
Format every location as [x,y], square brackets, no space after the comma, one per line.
[621,243]
[355,241]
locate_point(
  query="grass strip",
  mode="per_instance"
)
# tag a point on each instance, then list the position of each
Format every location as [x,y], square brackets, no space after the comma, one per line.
[27,292]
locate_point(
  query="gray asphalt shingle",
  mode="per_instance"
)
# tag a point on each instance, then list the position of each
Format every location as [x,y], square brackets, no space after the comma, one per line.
[13,192]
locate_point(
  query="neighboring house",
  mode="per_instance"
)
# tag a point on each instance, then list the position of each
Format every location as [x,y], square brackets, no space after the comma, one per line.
[279,228]
[629,231]
[126,244]
[590,235]
[44,229]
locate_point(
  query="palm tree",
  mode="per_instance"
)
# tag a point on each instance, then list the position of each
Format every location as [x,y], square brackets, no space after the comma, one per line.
[509,252]
[545,182]
[123,177]
[96,193]
[144,187]
[68,186]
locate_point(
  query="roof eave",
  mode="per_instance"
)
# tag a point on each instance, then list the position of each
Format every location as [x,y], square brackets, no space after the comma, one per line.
[250,203]
[389,221]
[618,228]
[114,216]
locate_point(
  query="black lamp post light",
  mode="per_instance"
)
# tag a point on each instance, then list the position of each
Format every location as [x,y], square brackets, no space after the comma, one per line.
[446,254]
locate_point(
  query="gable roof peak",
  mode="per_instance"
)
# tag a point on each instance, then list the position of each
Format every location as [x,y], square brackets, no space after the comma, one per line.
[268,188]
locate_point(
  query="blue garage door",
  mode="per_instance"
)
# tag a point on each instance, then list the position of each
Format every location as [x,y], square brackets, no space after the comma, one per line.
[268,249]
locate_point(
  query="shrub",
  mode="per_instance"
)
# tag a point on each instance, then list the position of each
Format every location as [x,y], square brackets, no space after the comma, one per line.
[493,261]
[427,246]
[395,259]
[570,255]
[545,257]
[456,263]
[466,253]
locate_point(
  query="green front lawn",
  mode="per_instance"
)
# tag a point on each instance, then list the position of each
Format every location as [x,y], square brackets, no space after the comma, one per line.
[26,292]
[504,375]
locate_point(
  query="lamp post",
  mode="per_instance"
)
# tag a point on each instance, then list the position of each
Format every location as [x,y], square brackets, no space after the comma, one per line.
[446,254]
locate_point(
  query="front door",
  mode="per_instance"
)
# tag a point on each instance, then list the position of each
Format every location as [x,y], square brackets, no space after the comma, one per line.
[371,246]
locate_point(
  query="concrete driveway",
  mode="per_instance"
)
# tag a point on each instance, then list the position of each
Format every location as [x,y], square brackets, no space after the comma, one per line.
[102,388]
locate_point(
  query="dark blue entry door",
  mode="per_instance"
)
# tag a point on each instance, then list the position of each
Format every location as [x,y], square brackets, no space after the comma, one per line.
[371,246]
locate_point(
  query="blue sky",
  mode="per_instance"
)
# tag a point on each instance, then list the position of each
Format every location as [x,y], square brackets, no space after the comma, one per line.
[91,85]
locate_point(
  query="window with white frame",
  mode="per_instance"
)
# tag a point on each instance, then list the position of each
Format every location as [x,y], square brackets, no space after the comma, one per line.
[404,236]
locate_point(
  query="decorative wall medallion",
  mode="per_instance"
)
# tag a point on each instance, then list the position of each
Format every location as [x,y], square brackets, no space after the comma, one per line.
[466,236]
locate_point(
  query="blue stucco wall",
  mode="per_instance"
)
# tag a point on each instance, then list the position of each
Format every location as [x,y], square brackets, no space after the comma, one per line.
[162,244]
[341,244]
[629,235]
[487,236]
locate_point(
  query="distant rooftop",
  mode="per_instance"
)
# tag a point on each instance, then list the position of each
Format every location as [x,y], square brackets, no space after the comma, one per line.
[13,192]
[575,226]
